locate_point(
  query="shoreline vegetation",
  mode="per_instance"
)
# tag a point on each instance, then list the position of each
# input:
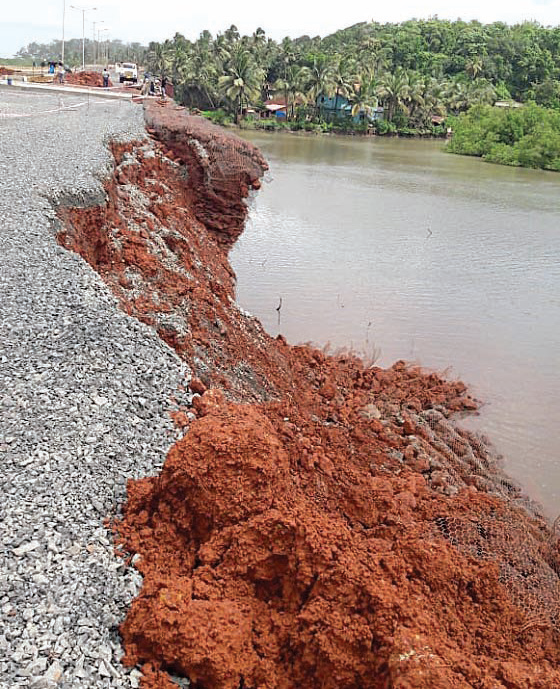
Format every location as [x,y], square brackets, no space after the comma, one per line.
[528,137]
[414,78]
[494,89]
[520,137]
[380,128]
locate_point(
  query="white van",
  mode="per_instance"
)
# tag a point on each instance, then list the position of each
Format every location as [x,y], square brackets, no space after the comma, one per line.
[127,71]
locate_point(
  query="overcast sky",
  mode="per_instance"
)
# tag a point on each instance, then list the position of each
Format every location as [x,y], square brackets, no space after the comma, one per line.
[148,20]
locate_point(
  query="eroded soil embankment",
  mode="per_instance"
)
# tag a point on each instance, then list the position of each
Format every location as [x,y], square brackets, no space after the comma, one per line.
[338,530]
[89,78]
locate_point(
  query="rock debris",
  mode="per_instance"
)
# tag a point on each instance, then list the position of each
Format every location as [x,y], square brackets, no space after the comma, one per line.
[85,396]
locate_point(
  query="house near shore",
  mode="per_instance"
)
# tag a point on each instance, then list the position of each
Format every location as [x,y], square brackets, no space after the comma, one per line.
[275,107]
[339,107]
[330,107]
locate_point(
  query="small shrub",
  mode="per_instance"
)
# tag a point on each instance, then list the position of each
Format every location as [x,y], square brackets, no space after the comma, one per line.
[384,127]
[217,116]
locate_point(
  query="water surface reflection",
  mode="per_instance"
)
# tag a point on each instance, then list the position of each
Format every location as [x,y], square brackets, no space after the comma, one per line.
[394,245]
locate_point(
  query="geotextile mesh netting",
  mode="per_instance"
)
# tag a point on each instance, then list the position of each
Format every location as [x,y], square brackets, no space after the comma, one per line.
[508,531]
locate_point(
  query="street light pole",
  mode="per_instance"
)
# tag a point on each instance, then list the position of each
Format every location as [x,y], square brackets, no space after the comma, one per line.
[98,37]
[101,21]
[63,20]
[83,10]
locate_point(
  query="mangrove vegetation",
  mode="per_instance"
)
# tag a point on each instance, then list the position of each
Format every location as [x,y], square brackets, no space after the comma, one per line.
[526,136]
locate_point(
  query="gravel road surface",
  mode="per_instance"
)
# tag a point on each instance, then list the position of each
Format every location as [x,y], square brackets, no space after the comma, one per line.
[84,401]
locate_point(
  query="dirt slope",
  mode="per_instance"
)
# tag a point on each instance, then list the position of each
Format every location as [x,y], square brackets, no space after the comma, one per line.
[321,524]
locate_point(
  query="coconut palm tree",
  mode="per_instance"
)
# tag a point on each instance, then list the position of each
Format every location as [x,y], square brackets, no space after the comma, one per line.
[461,95]
[232,35]
[242,80]
[221,49]
[363,97]
[159,57]
[197,76]
[474,67]
[425,99]
[343,79]
[319,78]
[292,84]
[393,90]
[258,39]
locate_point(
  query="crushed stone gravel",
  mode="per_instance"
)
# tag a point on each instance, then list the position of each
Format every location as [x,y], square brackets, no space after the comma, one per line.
[85,395]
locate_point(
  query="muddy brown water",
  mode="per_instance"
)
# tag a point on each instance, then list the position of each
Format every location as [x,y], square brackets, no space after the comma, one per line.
[399,250]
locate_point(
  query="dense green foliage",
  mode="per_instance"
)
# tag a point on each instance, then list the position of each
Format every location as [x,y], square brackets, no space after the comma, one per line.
[104,51]
[527,136]
[416,70]
[420,71]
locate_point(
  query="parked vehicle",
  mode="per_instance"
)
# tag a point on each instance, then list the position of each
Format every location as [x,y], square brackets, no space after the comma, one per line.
[127,71]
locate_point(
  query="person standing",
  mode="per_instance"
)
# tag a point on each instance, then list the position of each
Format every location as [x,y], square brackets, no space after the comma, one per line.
[60,73]
[145,91]
[105,77]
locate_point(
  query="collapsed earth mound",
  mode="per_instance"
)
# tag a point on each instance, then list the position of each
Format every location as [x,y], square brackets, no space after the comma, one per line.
[280,549]
[222,168]
[340,531]
[85,79]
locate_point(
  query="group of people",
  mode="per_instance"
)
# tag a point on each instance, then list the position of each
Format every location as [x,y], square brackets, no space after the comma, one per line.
[154,87]
[56,68]
[150,87]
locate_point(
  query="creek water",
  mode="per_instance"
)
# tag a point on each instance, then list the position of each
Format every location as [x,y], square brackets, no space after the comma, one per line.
[399,250]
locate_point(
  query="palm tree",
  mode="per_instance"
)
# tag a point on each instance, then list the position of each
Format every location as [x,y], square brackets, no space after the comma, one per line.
[474,67]
[197,76]
[363,96]
[461,95]
[292,85]
[458,96]
[425,99]
[231,35]
[242,80]
[319,78]
[343,79]
[288,51]
[159,57]
[394,90]
[258,39]
[221,49]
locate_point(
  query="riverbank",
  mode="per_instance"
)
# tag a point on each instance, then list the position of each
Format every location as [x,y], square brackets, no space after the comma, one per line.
[323,522]
[272,124]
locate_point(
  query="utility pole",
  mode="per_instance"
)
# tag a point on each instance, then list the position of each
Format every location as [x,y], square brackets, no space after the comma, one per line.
[83,10]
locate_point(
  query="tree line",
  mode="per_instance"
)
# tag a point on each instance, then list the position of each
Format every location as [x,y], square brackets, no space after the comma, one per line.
[419,71]
[416,69]
[104,51]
